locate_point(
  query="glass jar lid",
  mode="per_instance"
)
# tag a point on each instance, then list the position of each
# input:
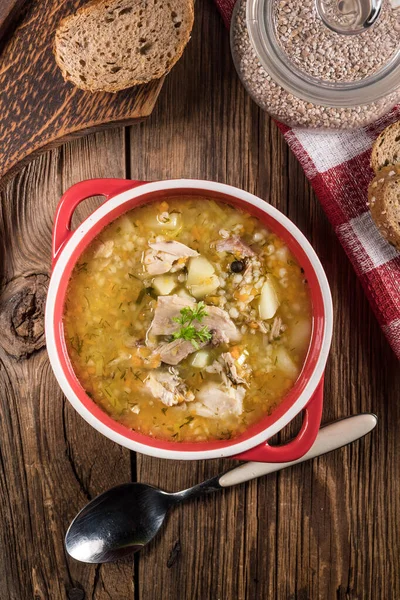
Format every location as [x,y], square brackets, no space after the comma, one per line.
[329,52]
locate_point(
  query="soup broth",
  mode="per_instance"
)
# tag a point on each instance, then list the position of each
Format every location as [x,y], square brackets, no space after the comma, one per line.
[187,320]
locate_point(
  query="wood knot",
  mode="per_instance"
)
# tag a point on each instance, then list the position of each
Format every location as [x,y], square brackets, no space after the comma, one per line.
[22,306]
[75,594]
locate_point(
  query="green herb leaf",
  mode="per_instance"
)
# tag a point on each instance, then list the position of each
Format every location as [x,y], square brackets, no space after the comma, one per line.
[187,421]
[76,344]
[188,331]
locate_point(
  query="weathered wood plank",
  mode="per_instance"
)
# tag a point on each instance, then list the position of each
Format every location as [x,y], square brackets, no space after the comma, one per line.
[317,531]
[327,530]
[51,460]
[38,108]
[9,10]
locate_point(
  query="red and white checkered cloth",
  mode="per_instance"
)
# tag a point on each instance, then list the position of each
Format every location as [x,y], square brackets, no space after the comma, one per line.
[337,165]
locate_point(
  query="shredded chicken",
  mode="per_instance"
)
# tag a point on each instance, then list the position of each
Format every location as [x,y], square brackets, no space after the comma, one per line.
[176,249]
[162,256]
[225,367]
[220,324]
[275,329]
[104,249]
[235,245]
[168,387]
[174,352]
[168,307]
[262,327]
[217,320]
[219,401]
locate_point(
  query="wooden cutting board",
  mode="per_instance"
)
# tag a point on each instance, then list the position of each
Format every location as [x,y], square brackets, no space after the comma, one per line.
[38,109]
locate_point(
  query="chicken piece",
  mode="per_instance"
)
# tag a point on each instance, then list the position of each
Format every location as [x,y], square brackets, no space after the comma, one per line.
[220,324]
[217,320]
[104,249]
[218,368]
[176,249]
[162,255]
[225,367]
[158,263]
[168,308]
[275,329]
[235,245]
[168,387]
[231,369]
[172,353]
[219,401]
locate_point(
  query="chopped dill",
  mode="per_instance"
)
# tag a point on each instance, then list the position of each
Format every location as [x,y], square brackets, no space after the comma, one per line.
[188,420]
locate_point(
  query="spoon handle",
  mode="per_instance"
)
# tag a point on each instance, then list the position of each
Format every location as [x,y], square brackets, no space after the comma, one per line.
[333,436]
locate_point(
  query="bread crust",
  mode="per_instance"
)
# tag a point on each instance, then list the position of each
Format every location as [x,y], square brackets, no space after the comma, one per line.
[382,146]
[384,203]
[86,9]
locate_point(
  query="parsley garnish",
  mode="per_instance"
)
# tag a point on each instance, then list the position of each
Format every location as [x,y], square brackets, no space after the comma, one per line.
[188,331]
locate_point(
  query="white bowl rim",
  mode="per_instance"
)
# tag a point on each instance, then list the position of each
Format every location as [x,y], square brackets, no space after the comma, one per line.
[206,186]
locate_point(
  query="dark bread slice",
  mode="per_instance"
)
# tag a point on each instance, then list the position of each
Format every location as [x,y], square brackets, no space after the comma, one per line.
[384,203]
[386,149]
[110,45]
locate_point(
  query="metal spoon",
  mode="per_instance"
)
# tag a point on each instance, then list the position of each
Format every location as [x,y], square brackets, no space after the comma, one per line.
[127,517]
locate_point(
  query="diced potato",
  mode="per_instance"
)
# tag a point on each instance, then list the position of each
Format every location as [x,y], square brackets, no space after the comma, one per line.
[285,363]
[172,222]
[208,286]
[164,284]
[201,359]
[269,301]
[300,333]
[182,293]
[199,270]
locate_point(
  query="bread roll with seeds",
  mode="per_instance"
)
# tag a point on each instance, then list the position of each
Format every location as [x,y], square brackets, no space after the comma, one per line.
[384,203]
[386,149]
[110,45]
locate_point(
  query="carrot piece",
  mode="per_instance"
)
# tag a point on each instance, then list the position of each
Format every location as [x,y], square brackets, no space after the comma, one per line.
[235,351]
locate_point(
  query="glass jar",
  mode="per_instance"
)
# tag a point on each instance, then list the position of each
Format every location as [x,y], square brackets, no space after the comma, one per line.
[319,63]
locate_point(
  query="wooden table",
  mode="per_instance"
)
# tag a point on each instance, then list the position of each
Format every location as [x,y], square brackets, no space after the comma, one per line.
[325,530]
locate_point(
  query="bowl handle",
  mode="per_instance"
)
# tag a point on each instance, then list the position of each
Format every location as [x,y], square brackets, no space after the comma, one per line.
[74,196]
[301,444]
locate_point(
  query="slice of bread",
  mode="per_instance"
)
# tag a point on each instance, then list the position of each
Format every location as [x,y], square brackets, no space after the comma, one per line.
[386,149]
[110,45]
[384,203]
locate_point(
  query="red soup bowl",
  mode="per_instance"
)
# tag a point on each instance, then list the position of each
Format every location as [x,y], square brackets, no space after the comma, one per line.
[306,394]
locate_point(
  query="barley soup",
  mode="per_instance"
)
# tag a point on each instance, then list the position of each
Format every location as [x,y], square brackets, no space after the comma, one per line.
[187,320]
